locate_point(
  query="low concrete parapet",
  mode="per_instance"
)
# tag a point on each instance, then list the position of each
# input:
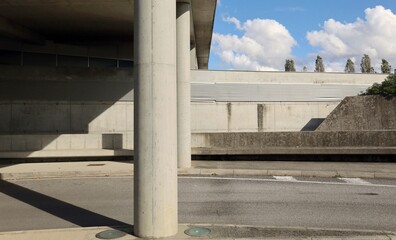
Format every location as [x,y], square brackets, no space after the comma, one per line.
[272,143]
[343,142]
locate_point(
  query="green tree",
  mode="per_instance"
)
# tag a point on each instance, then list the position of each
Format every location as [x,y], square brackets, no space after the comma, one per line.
[386,88]
[305,69]
[365,64]
[385,67]
[319,66]
[350,66]
[289,65]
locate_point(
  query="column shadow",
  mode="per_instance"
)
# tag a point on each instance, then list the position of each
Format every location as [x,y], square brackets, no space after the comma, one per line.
[61,209]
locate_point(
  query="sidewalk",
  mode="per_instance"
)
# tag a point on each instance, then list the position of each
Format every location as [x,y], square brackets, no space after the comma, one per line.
[202,168]
[219,232]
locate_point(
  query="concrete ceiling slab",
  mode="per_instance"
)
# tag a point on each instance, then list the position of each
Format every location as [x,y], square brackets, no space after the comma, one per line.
[98,20]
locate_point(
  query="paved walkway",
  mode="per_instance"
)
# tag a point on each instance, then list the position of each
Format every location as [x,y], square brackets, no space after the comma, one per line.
[203,168]
[219,232]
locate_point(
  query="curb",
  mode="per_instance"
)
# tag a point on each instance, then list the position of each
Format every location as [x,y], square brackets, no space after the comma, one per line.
[292,173]
[90,232]
[202,172]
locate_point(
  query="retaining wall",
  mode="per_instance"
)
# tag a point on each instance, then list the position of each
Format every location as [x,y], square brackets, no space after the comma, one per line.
[66,100]
[362,113]
[275,143]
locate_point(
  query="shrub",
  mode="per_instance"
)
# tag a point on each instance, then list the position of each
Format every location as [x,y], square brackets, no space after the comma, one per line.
[386,88]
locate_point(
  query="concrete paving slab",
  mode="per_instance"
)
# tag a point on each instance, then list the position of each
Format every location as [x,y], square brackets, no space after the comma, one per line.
[217,172]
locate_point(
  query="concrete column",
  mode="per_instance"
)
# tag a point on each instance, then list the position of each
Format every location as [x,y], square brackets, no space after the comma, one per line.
[183,86]
[155,179]
[193,58]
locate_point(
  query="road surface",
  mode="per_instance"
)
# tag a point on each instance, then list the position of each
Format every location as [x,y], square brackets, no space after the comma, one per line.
[272,201]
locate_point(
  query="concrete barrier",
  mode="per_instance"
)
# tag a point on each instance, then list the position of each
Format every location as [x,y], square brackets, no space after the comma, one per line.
[342,142]
[362,113]
[273,143]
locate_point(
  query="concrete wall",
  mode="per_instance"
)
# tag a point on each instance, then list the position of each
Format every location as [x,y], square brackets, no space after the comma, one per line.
[26,117]
[335,142]
[61,108]
[258,116]
[362,113]
[208,76]
[342,142]
[55,84]
[61,100]
[237,86]
[38,142]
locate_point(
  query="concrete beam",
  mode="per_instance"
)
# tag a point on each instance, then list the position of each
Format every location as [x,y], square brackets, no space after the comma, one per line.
[12,30]
[203,20]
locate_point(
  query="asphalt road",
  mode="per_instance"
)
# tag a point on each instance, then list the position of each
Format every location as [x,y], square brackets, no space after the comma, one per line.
[322,203]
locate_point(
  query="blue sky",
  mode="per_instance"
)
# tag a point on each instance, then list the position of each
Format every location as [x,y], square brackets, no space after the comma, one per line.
[247,30]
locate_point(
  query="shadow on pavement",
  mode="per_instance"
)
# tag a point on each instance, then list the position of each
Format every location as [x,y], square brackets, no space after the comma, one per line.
[69,212]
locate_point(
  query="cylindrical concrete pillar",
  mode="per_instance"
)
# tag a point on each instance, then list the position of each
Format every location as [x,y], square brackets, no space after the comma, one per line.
[183,86]
[155,179]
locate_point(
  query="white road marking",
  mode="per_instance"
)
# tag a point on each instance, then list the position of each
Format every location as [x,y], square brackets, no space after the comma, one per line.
[274,180]
[209,178]
[357,181]
[285,178]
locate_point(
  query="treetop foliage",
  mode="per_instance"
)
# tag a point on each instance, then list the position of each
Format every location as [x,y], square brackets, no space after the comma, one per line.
[385,67]
[289,65]
[365,64]
[319,66]
[349,66]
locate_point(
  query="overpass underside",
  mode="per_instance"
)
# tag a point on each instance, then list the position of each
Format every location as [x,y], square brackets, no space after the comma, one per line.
[67,88]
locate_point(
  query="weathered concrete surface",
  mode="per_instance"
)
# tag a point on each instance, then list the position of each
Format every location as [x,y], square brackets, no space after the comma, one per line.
[36,100]
[342,142]
[155,113]
[58,117]
[278,143]
[297,139]
[362,113]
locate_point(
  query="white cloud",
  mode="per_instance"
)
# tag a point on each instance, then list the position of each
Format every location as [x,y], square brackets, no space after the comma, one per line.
[234,21]
[290,9]
[263,46]
[373,36]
